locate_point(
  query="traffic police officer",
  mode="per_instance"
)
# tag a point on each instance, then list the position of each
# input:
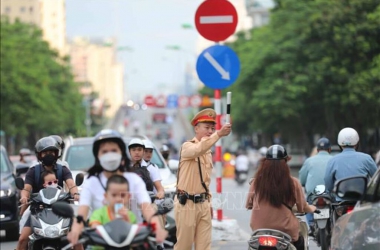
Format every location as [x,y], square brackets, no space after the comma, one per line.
[192,203]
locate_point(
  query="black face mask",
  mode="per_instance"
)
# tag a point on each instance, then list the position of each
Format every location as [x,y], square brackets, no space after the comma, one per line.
[48,160]
[165,155]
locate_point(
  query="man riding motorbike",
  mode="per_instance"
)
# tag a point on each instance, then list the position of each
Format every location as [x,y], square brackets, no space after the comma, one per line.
[47,152]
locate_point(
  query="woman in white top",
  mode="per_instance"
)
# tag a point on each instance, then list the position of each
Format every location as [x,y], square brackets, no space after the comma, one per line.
[110,158]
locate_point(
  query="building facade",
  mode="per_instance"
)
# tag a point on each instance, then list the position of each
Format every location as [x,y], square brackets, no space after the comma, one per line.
[49,15]
[95,63]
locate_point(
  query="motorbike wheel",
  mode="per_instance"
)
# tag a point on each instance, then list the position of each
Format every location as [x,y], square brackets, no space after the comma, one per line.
[323,239]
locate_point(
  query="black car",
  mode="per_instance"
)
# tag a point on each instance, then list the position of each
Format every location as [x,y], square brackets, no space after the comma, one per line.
[8,198]
[359,228]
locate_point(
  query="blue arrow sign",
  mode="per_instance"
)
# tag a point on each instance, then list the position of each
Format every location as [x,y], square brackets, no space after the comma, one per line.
[218,67]
[172,101]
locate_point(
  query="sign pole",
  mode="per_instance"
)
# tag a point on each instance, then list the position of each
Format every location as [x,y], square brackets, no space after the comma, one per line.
[218,152]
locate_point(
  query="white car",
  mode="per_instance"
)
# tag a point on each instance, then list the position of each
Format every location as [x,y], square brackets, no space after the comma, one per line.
[78,154]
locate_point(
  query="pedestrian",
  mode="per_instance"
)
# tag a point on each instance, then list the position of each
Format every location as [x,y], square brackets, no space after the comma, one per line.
[312,173]
[192,203]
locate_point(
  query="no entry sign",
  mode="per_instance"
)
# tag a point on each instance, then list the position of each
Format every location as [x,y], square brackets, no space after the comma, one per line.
[216,20]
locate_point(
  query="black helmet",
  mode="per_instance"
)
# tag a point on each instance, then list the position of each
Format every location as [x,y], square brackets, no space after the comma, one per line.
[164,148]
[276,152]
[323,144]
[61,143]
[108,135]
[46,144]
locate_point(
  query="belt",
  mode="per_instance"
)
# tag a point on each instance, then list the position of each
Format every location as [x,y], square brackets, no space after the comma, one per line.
[196,198]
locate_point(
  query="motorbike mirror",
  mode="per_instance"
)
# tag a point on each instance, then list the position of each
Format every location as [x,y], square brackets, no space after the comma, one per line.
[63,209]
[319,189]
[19,183]
[79,179]
[352,188]
[165,207]
[173,165]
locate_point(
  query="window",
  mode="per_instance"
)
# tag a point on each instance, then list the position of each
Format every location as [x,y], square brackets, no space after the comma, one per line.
[7,9]
[22,9]
[30,9]
[3,163]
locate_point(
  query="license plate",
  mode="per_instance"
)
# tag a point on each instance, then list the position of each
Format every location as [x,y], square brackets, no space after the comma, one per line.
[325,213]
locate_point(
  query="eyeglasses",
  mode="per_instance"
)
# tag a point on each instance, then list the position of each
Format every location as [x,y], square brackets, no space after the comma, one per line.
[51,182]
[121,194]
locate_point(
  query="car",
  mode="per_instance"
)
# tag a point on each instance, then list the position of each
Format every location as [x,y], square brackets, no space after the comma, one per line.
[9,197]
[78,154]
[358,229]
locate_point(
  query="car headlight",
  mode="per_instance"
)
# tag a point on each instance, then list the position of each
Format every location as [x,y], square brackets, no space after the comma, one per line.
[52,231]
[171,185]
[6,192]
[39,231]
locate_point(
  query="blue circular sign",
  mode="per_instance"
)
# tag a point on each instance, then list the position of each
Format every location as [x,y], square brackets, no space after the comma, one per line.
[218,67]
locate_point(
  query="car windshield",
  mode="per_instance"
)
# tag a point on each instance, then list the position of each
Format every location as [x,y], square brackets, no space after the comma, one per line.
[80,157]
[3,163]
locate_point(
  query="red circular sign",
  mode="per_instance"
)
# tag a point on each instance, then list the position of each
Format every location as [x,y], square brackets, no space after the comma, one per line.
[216,20]
[183,101]
[195,101]
[150,101]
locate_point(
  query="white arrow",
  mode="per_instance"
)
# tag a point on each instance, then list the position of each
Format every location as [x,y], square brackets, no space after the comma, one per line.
[216,65]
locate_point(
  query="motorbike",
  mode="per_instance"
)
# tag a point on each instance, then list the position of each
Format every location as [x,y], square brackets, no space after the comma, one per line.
[117,234]
[47,226]
[271,239]
[322,226]
[241,177]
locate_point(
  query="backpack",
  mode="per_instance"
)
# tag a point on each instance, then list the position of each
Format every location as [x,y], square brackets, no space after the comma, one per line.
[37,175]
[144,173]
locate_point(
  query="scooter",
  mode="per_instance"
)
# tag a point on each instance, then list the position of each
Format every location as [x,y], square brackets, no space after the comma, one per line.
[241,177]
[47,226]
[271,239]
[322,200]
[117,234]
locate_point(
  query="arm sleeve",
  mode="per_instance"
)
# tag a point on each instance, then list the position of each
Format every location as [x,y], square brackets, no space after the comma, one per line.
[142,195]
[249,202]
[192,150]
[329,176]
[304,172]
[29,176]
[96,216]
[85,194]
[66,173]
[300,197]
[154,174]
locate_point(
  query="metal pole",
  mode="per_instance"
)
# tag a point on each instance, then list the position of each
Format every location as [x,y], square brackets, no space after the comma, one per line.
[218,153]
[88,116]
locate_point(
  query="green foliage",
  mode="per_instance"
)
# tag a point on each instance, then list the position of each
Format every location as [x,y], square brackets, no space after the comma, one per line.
[313,70]
[38,94]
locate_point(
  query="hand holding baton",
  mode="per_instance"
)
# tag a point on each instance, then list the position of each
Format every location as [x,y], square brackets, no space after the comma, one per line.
[228,107]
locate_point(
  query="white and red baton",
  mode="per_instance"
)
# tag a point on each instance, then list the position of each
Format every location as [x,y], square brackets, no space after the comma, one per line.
[228,107]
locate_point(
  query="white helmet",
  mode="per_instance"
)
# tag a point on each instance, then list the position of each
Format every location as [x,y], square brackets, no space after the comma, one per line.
[263,151]
[348,137]
[148,144]
[136,142]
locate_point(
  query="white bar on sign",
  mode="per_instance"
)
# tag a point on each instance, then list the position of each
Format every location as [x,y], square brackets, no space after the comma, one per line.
[216,19]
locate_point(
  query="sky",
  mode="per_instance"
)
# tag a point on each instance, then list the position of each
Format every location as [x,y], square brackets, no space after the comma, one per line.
[147,27]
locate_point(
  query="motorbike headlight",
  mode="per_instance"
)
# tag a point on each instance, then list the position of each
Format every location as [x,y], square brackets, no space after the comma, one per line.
[6,192]
[171,185]
[52,231]
[64,231]
[39,231]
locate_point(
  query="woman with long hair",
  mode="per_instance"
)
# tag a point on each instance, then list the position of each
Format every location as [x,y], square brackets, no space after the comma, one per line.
[273,193]
[111,158]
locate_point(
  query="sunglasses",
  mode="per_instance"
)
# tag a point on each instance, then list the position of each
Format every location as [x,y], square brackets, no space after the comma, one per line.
[122,194]
[51,182]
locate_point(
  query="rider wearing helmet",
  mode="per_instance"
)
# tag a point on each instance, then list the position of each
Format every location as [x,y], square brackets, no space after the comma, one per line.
[61,144]
[25,154]
[47,152]
[272,195]
[110,159]
[349,162]
[165,151]
[313,171]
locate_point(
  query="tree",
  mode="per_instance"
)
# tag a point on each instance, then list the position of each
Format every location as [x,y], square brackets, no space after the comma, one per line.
[38,94]
[313,70]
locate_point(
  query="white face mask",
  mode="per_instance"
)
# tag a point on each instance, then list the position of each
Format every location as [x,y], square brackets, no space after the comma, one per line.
[110,161]
[52,185]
